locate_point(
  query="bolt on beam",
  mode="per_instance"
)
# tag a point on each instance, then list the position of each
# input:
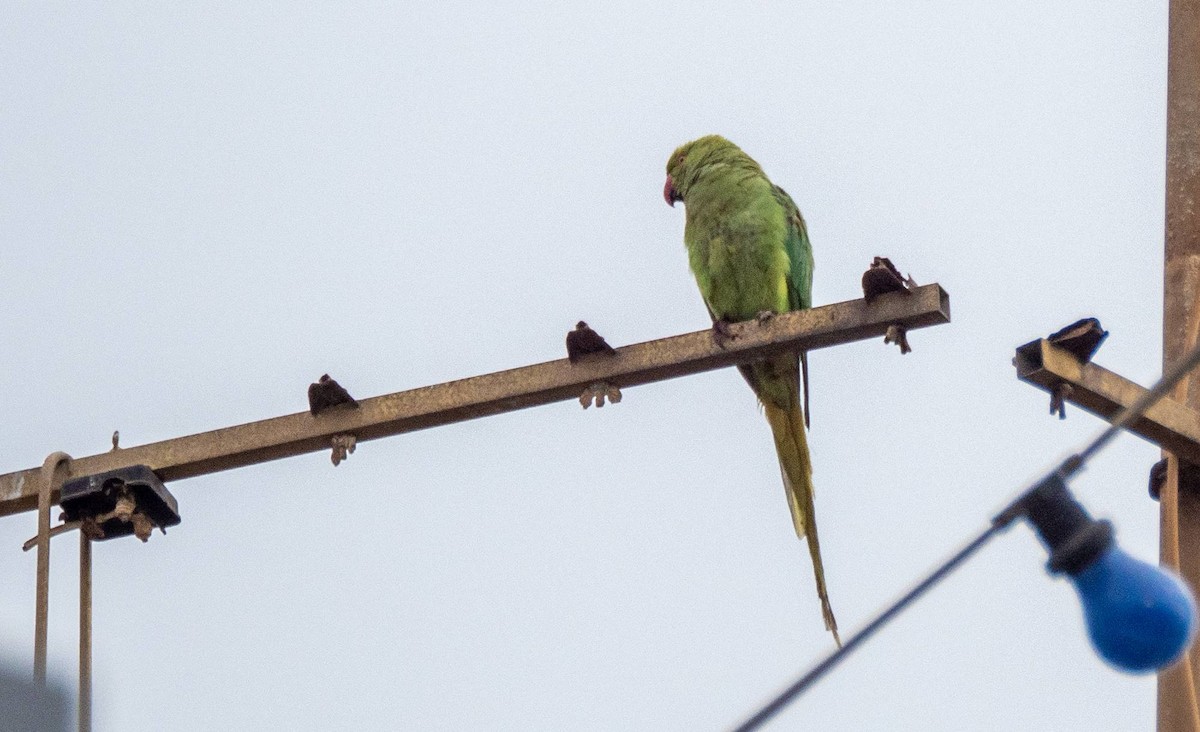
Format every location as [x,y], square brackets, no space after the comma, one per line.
[1167,423]
[502,391]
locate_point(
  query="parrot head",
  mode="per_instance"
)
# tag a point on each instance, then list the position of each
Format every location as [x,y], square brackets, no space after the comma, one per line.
[691,159]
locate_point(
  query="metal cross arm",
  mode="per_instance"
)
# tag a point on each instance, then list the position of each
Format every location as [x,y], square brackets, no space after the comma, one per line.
[502,391]
[1169,424]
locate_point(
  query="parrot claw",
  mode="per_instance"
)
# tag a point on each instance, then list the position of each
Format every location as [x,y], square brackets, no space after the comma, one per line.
[1058,399]
[598,392]
[722,333]
[342,446]
[898,334]
[764,316]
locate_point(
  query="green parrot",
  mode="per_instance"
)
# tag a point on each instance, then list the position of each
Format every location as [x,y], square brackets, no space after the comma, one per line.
[748,248]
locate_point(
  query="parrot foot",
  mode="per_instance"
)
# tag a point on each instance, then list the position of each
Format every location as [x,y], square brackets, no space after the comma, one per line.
[898,334]
[765,316]
[597,393]
[342,446]
[1058,399]
[722,333]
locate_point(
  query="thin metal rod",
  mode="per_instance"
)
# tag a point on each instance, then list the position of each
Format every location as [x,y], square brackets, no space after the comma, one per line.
[48,484]
[41,617]
[779,702]
[54,531]
[85,633]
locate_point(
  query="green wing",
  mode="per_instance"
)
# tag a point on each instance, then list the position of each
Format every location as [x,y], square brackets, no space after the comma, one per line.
[799,251]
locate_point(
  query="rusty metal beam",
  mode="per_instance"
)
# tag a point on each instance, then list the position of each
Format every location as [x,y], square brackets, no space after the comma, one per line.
[1179,507]
[503,391]
[1168,423]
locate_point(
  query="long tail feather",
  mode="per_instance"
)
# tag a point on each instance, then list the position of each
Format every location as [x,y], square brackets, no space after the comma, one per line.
[791,445]
[804,382]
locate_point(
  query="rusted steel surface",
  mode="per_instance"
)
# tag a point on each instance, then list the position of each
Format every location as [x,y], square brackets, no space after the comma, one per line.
[503,391]
[1104,393]
[1179,522]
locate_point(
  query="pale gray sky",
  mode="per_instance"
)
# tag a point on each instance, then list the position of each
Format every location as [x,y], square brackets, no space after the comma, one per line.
[205,207]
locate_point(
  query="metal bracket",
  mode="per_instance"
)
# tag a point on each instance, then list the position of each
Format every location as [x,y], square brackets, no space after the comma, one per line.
[1168,423]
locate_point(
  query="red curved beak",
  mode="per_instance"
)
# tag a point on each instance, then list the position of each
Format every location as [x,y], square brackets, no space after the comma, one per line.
[670,195]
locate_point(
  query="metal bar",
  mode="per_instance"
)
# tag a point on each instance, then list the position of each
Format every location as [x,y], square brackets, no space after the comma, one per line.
[41,616]
[1179,509]
[85,633]
[54,531]
[48,480]
[1167,423]
[503,391]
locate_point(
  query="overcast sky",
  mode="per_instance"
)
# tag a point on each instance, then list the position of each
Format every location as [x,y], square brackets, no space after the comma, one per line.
[204,207]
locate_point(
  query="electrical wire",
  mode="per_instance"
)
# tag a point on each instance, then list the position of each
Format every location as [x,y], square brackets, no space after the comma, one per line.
[1000,522]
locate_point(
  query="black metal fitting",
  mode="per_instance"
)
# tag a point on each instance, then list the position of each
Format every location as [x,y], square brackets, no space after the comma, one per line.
[120,502]
[1074,538]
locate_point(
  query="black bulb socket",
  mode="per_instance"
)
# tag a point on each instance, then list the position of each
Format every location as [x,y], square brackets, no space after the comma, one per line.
[1075,539]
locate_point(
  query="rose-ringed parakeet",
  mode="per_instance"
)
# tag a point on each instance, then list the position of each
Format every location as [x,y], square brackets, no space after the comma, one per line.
[748,248]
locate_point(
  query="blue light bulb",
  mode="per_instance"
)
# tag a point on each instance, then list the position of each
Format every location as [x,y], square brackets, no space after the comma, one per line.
[1139,617]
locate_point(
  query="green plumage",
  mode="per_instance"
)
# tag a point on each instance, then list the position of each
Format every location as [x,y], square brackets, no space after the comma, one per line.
[748,248]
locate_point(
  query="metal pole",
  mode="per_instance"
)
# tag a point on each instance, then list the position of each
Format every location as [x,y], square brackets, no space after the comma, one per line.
[42,612]
[49,482]
[1179,547]
[85,633]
